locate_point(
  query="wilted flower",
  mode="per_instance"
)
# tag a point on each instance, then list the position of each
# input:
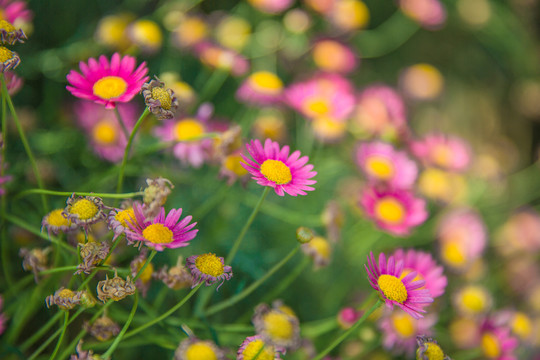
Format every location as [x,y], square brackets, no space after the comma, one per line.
[208,268]
[277,327]
[65,299]
[35,260]
[429,349]
[83,355]
[92,253]
[115,288]
[177,277]
[8,59]
[84,210]
[252,346]
[55,222]
[193,348]
[103,328]
[9,34]
[159,100]
[155,195]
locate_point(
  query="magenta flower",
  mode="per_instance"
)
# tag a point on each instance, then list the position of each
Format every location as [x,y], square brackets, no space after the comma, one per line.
[381,162]
[161,232]
[16,12]
[444,151]
[497,343]
[273,166]
[405,293]
[431,14]
[426,268]
[107,82]
[399,331]
[395,211]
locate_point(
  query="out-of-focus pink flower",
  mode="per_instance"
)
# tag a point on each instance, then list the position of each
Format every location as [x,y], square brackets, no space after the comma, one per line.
[431,14]
[442,150]
[334,56]
[218,57]
[271,6]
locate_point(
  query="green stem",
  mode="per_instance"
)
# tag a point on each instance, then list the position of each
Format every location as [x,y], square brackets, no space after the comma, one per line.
[233,300]
[66,319]
[238,241]
[121,122]
[148,260]
[5,95]
[287,281]
[69,193]
[349,331]
[119,337]
[128,148]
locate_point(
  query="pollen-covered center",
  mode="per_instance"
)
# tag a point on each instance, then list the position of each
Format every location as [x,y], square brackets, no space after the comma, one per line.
[188,129]
[404,325]
[125,217]
[200,351]
[209,264]
[158,234]
[6,25]
[254,348]
[491,346]
[65,294]
[276,171]
[84,209]
[266,81]
[104,133]
[161,94]
[5,54]
[55,218]
[278,325]
[317,107]
[110,87]
[390,210]
[380,167]
[392,288]
[432,352]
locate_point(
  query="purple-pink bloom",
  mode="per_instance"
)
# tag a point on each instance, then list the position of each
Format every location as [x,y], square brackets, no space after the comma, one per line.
[442,150]
[261,88]
[431,14]
[496,341]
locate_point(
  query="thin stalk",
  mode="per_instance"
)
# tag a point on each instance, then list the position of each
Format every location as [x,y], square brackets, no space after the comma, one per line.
[7,97]
[66,319]
[119,337]
[121,122]
[349,331]
[287,281]
[238,241]
[128,148]
[233,300]
[148,260]
[69,193]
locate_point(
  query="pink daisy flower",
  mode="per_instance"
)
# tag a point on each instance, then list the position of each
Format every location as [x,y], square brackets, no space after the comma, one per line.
[16,12]
[273,166]
[161,232]
[261,88]
[426,268]
[107,82]
[406,293]
[399,331]
[380,111]
[431,14]
[333,56]
[323,96]
[382,162]
[444,151]
[395,211]
[102,129]
[271,6]
[497,343]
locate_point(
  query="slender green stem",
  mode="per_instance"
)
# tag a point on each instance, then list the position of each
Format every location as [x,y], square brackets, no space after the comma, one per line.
[287,281]
[69,193]
[29,153]
[121,122]
[42,330]
[148,260]
[119,337]
[128,148]
[349,331]
[238,241]
[233,300]
[66,319]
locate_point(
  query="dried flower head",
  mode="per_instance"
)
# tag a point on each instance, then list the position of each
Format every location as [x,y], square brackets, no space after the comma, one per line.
[9,34]
[429,349]
[8,59]
[115,288]
[155,195]
[143,282]
[65,299]
[194,349]
[228,142]
[87,299]
[208,268]
[84,210]
[83,355]
[118,220]
[55,222]
[103,328]
[254,347]
[34,260]
[160,101]
[277,326]
[92,253]
[177,277]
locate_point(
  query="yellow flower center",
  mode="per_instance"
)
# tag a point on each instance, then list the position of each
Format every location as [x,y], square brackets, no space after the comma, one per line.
[276,171]
[317,107]
[188,129]
[433,352]
[191,31]
[474,299]
[404,325]
[453,253]
[146,275]
[329,55]
[125,216]
[158,234]
[200,351]
[209,264]
[380,167]
[390,210]
[110,87]
[66,294]
[84,209]
[490,346]
[321,246]
[392,288]
[266,81]
[278,325]
[6,25]
[161,94]
[232,163]
[147,32]
[254,348]
[5,54]
[55,218]
[104,133]
[521,325]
